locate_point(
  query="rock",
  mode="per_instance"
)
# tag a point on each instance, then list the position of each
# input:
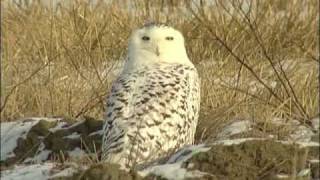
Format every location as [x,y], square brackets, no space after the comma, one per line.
[245,158]
[57,137]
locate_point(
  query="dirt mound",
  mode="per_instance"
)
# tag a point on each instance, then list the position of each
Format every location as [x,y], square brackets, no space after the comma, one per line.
[106,172]
[256,159]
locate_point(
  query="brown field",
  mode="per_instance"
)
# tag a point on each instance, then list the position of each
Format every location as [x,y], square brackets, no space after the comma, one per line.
[256,62]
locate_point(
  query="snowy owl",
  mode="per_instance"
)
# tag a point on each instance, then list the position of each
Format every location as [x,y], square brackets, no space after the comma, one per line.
[154,104]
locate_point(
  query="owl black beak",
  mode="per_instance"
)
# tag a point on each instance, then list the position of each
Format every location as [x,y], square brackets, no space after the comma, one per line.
[157,51]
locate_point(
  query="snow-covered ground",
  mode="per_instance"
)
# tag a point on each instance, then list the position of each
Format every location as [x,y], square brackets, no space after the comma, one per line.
[42,171]
[39,167]
[12,131]
[234,128]
[172,170]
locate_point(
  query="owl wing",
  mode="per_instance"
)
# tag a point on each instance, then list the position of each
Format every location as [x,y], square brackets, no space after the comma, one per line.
[194,101]
[159,105]
[117,103]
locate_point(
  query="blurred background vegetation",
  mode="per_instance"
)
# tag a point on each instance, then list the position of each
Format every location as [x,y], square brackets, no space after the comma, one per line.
[257,59]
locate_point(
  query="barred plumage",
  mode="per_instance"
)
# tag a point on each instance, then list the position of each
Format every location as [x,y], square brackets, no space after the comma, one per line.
[154,104]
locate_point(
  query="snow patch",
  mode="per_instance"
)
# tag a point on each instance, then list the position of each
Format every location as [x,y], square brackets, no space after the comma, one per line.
[302,134]
[41,155]
[314,161]
[187,152]
[234,128]
[59,126]
[76,153]
[304,172]
[74,135]
[229,142]
[171,172]
[11,132]
[280,121]
[172,169]
[282,176]
[30,172]
[302,144]
[100,132]
[315,123]
[41,171]
[64,173]
[40,118]
[75,124]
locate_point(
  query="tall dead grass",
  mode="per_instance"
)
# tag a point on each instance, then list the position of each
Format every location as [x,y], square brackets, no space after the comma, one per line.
[257,60]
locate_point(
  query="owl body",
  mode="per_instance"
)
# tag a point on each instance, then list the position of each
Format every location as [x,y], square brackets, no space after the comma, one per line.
[153,106]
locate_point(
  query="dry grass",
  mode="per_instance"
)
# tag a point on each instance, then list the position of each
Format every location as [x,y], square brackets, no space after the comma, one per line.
[255,62]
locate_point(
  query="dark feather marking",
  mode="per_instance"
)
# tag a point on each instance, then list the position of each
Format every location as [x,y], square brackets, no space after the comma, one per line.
[109,114]
[165,115]
[145,100]
[170,124]
[158,143]
[173,111]
[150,136]
[118,150]
[162,104]
[141,126]
[157,122]
[162,131]
[144,149]
[109,104]
[118,108]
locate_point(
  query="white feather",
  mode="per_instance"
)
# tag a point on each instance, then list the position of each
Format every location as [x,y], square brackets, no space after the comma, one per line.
[154,104]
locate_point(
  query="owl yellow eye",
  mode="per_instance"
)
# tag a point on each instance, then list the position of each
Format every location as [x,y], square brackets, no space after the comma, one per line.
[145,38]
[169,38]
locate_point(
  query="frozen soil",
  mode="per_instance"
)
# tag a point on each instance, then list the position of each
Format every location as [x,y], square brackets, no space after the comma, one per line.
[255,159]
[58,148]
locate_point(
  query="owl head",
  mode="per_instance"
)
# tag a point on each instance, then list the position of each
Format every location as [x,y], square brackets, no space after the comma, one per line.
[157,43]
